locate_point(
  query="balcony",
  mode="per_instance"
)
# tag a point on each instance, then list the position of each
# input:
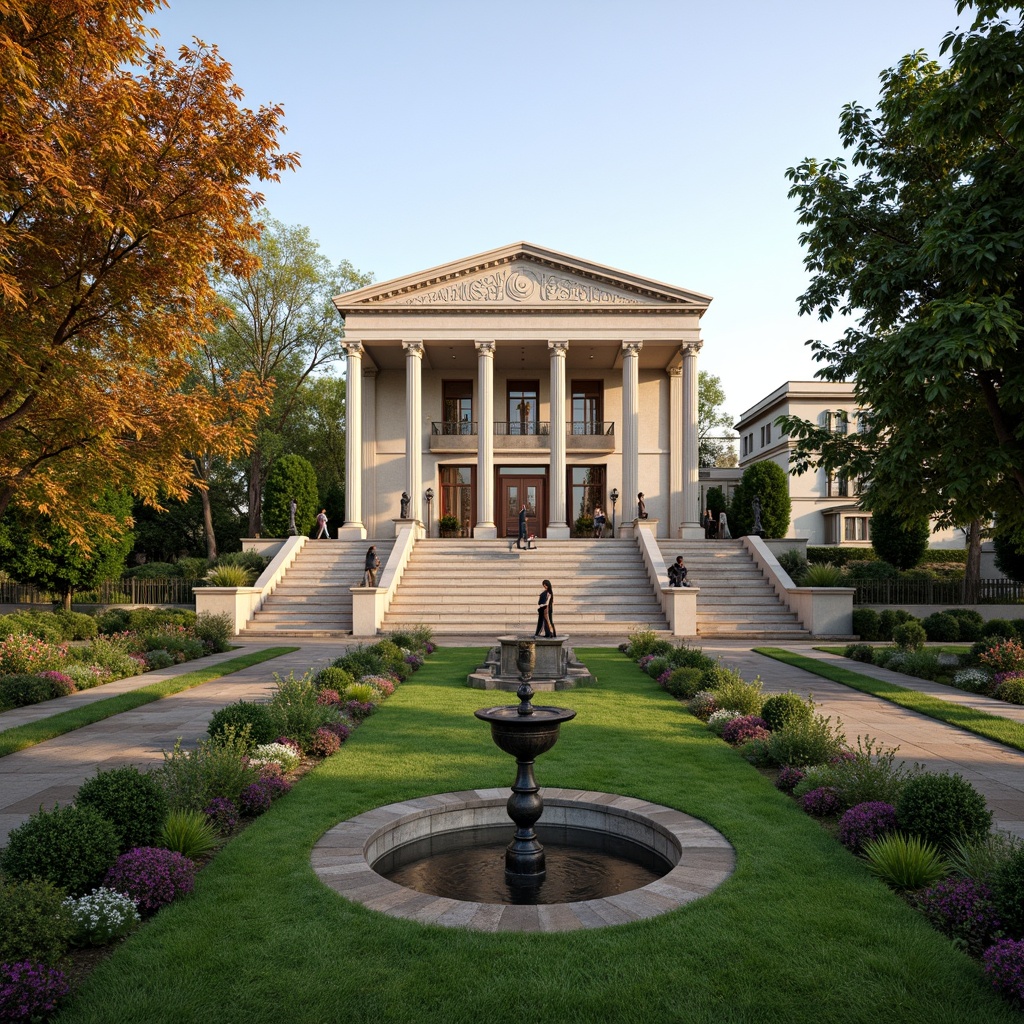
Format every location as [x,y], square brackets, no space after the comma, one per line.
[461,436]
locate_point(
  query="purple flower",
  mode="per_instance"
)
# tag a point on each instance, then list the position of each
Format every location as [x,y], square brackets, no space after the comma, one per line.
[413,660]
[746,727]
[962,909]
[324,743]
[788,778]
[30,991]
[357,710]
[866,822]
[665,677]
[429,647]
[822,802]
[289,742]
[340,729]
[222,814]
[1004,964]
[257,797]
[152,876]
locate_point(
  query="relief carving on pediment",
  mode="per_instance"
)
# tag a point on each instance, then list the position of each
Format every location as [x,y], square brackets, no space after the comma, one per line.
[518,285]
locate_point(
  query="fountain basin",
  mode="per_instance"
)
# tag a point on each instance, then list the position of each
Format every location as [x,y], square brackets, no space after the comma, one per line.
[701,858]
[556,666]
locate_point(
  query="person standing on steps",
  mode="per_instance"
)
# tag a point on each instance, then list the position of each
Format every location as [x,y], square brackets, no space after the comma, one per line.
[522,528]
[599,521]
[321,521]
[370,567]
[545,610]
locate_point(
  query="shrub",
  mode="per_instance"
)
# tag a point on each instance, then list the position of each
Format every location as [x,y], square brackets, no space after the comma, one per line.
[743,728]
[152,876]
[257,797]
[703,704]
[30,991]
[982,860]
[716,676]
[788,779]
[158,659]
[866,624]
[34,923]
[340,729]
[923,664]
[962,909]
[1011,689]
[720,719]
[824,575]
[216,768]
[19,691]
[222,814]
[284,754]
[358,691]
[969,621]
[795,564]
[214,632]
[69,846]
[973,680]
[866,822]
[905,862]
[656,666]
[782,708]
[1008,892]
[756,752]
[325,742]
[102,916]
[689,657]
[333,678]
[642,642]
[804,742]
[357,711]
[999,627]
[25,655]
[941,627]
[910,636]
[741,696]
[860,652]
[294,710]
[898,539]
[189,833]
[889,619]
[684,682]
[770,482]
[941,808]
[114,620]
[1004,966]
[869,773]
[821,802]
[244,713]
[131,801]
[1003,656]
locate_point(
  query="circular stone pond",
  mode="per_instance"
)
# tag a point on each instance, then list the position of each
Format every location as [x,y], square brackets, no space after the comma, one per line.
[696,856]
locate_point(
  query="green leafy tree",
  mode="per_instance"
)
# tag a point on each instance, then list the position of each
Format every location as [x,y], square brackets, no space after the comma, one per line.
[290,476]
[716,441]
[316,430]
[767,480]
[716,501]
[898,540]
[284,331]
[923,248]
[1009,558]
[39,550]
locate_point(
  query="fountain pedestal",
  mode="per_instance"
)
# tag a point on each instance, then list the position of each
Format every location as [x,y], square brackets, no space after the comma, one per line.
[556,666]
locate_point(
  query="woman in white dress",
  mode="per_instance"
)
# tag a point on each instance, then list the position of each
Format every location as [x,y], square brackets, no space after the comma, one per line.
[723,527]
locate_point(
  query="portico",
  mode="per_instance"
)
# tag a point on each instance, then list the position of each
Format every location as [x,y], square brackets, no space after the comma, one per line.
[521,375]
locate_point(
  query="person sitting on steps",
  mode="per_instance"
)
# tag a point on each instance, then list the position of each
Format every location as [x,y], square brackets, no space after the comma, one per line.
[677,573]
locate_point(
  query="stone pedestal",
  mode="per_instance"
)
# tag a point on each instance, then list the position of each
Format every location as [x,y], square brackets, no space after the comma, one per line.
[556,667]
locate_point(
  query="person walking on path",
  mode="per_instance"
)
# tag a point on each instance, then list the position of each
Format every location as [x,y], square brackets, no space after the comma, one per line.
[321,521]
[545,610]
[599,521]
[677,573]
[370,567]
[522,529]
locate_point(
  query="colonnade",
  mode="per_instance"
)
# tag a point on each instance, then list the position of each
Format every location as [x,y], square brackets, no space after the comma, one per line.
[684,496]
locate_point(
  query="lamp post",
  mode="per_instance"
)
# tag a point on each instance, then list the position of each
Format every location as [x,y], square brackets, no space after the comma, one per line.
[429,495]
[615,497]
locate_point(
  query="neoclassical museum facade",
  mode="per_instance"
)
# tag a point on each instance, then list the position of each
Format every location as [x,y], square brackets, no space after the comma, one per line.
[521,375]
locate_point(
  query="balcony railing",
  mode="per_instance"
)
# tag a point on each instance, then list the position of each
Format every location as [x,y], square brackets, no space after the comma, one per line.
[591,428]
[578,428]
[453,428]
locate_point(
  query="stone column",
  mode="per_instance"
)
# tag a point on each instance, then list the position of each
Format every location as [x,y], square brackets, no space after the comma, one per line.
[558,528]
[630,434]
[690,528]
[485,525]
[414,425]
[353,528]
[675,446]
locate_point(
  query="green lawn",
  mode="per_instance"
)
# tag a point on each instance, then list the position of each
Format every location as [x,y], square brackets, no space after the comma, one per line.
[800,933]
[21,736]
[981,723]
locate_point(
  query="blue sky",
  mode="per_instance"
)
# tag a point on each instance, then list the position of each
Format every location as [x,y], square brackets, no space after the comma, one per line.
[651,136]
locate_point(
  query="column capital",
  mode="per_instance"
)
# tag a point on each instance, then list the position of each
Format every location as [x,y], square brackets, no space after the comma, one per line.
[353,349]
[485,348]
[675,371]
[690,348]
[632,347]
[413,348]
[558,348]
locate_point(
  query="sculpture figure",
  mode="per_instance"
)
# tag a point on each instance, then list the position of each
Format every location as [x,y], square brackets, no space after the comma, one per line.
[756,506]
[405,505]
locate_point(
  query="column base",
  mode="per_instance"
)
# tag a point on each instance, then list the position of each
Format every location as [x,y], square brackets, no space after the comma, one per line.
[352,531]
[691,531]
[557,531]
[485,531]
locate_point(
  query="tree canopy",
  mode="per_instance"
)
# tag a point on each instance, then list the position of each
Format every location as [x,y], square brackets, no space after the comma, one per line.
[897,540]
[124,177]
[716,444]
[768,481]
[923,248]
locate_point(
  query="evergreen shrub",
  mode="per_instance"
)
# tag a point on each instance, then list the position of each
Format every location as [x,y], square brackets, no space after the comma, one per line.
[34,923]
[684,682]
[943,808]
[860,652]
[866,624]
[254,714]
[889,619]
[805,741]
[132,801]
[941,627]
[910,636]
[780,709]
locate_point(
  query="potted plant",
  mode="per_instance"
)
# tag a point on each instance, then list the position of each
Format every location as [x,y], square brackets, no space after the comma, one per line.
[585,526]
[449,525]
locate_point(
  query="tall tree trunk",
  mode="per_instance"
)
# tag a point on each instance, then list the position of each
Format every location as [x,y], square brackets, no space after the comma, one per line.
[211,537]
[255,493]
[65,600]
[972,574]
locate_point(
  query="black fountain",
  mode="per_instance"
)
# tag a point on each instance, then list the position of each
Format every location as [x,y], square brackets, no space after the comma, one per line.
[525,732]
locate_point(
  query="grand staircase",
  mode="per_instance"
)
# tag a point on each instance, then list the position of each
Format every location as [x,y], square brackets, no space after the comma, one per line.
[601,587]
[313,596]
[736,599]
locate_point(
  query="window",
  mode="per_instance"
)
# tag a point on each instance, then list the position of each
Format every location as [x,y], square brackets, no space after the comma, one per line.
[523,406]
[768,433]
[856,528]
[457,397]
[762,437]
[587,407]
[863,421]
[838,485]
[457,498]
[743,445]
[586,490]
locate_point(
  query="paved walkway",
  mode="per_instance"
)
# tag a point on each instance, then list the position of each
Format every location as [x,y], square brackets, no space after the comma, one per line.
[51,772]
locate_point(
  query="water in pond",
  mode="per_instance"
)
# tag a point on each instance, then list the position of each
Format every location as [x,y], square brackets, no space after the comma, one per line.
[469,864]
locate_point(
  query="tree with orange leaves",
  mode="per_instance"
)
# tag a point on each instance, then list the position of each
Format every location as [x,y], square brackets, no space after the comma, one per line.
[125,180]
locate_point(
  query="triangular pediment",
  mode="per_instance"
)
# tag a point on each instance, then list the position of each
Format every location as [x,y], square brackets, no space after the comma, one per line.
[520,276]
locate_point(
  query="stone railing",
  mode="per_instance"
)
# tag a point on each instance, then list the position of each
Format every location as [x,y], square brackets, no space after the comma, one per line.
[678,603]
[370,604]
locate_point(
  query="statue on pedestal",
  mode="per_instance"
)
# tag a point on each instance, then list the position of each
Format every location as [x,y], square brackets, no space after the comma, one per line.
[405,506]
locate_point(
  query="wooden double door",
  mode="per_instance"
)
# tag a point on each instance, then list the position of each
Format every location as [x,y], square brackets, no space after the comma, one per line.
[515,490]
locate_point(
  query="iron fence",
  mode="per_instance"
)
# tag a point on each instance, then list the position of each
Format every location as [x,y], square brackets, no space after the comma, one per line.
[944,592]
[159,590]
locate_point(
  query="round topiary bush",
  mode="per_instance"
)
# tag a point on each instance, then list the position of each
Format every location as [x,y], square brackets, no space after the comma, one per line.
[941,627]
[822,802]
[942,809]
[970,623]
[243,713]
[131,801]
[684,682]
[333,678]
[782,708]
[152,876]
[69,846]
[860,652]
[866,623]
[866,822]
[889,619]
[999,628]
[910,636]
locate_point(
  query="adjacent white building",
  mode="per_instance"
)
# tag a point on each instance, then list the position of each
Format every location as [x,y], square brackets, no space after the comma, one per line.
[521,375]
